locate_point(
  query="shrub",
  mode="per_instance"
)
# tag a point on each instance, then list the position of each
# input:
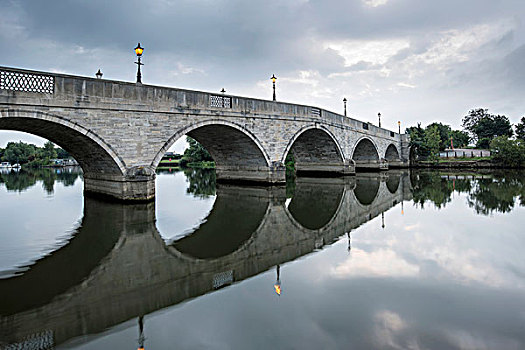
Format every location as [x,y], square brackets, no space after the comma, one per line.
[508,152]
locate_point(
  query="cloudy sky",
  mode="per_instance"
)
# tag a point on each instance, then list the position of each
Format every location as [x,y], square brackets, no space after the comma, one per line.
[411,60]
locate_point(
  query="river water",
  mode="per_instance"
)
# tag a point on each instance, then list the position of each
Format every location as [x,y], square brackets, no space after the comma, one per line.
[391,260]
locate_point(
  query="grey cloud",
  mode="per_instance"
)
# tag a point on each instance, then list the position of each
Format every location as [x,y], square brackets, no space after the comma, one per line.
[237,43]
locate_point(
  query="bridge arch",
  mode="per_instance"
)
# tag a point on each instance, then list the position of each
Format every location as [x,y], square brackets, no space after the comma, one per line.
[95,156]
[315,149]
[366,154]
[392,154]
[228,143]
[365,149]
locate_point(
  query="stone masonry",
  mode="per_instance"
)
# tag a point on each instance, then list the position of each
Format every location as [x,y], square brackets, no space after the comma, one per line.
[119,131]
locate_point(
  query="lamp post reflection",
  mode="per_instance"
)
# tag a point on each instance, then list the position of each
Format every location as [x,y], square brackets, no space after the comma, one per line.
[141,338]
[277,285]
[349,241]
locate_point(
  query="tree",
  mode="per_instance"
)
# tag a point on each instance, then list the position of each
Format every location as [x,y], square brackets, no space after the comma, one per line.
[49,152]
[520,129]
[19,152]
[484,127]
[444,134]
[432,140]
[417,140]
[195,152]
[507,151]
[460,138]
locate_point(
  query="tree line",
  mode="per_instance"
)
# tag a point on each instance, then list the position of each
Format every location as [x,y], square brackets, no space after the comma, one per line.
[480,128]
[31,155]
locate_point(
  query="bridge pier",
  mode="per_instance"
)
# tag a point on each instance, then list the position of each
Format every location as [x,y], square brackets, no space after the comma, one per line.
[137,186]
[371,164]
[274,174]
[326,168]
[398,164]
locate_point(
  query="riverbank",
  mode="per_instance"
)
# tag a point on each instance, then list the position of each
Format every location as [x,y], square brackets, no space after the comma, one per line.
[462,163]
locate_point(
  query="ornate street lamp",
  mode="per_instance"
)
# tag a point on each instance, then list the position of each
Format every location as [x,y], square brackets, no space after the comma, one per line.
[379,116]
[273,78]
[99,74]
[344,103]
[399,126]
[139,50]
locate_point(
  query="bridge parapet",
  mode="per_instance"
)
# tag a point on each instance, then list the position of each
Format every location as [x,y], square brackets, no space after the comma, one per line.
[68,90]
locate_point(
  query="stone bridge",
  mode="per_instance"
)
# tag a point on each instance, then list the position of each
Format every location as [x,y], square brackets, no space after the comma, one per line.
[119,131]
[117,266]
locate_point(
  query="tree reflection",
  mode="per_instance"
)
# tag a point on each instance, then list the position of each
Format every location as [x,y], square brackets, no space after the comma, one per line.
[201,182]
[21,180]
[430,186]
[496,192]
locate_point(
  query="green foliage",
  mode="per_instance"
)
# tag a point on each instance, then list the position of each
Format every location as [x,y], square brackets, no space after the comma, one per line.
[520,129]
[432,140]
[444,132]
[19,152]
[420,138]
[195,152]
[460,138]
[484,127]
[31,155]
[417,140]
[49,151]
[62,153]
[507,151]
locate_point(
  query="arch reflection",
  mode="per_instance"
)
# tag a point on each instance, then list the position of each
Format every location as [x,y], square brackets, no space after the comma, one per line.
[316,201]
[217,236]
[366,188]
[118,267]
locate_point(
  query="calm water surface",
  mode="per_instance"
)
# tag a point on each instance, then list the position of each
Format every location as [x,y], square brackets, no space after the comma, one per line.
[395,260]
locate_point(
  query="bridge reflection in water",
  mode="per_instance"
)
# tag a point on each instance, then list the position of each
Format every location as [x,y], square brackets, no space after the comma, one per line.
[117,266]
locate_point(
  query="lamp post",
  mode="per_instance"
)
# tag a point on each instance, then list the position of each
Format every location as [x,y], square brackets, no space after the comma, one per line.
[379,116]
[344,103]
[99,74]
[139,50]
[273,78]
[399,126]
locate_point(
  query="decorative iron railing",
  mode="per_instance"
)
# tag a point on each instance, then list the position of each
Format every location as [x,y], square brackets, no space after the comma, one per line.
[220,101]
[27,82]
